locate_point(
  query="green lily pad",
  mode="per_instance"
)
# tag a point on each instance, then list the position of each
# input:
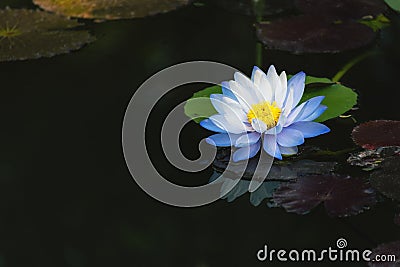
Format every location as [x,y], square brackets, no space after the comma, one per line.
[200,110]
[338,99]
[393,4]
[109,9]
[28,34]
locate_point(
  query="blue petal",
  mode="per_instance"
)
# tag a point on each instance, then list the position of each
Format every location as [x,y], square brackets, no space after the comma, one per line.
[226,91]
[288,150]
[270,146]
[321,109]
[222,139]
[310,128]
[247,139]
[209,125]
[310,107]
[246,152]
[290,137]
[297,82]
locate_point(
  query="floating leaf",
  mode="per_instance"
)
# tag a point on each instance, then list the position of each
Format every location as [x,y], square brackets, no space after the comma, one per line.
[343,9]
[312,34]
[391,250]
[28,34]
[372,158]
[342,196]
[338,99]
[379,133]
[386,180]
[200,110]
[394,4]
[109,9]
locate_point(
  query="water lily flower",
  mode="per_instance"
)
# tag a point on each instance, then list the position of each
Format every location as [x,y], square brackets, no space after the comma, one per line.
[264,111]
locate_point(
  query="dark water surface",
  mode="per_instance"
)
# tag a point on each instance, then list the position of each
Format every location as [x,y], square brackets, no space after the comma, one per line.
[66,196]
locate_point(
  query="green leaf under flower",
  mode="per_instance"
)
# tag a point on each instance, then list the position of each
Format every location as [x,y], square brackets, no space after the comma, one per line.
[338,99]
[394,4]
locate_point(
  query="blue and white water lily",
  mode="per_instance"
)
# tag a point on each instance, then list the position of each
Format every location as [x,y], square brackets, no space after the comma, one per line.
[264,111]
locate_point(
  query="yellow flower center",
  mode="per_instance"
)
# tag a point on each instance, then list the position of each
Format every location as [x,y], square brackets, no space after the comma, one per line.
[265,112]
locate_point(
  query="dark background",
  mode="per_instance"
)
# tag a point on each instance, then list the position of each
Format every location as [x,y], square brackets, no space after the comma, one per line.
[66,196]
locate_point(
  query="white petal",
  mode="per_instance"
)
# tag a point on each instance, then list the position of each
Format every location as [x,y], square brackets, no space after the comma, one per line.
[258,125]
[281,94]
[228,106]
[266,89]
[245,98]
[229,123]
[274,81]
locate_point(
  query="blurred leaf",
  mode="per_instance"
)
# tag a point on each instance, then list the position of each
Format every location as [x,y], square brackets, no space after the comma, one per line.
[313,34]
[109,9]
[375,134]
[394,4]
[342,196]
[28,34]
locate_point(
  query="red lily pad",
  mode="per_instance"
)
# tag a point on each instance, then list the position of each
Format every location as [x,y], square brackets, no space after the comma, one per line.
[379,133]
[342,196]
[343,9]
[387,179]
[312,34]
[391,252]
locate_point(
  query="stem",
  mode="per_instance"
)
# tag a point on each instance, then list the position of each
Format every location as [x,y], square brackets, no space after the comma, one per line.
[258,8]
[351,64]
[259,50]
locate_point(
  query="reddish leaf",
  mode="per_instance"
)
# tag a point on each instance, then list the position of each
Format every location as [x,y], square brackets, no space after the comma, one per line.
[379,133]
[342,196]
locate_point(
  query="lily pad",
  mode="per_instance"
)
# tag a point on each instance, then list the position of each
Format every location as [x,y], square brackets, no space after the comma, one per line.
[391,250]
[379,133]
[343,9]
[394,4]
[372,158]
[338,99]
[109,9]
[28,34]
[313,34]
[387,179]
[342,196]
